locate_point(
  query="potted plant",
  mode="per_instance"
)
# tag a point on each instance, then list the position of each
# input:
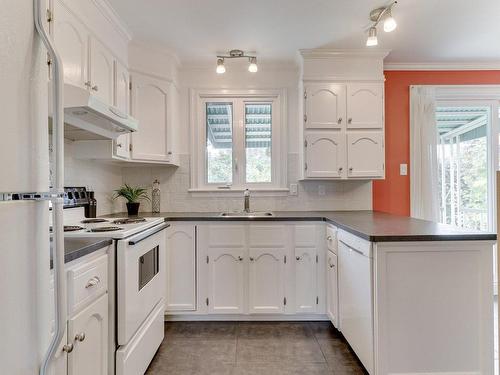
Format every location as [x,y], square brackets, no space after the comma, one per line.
[133,195]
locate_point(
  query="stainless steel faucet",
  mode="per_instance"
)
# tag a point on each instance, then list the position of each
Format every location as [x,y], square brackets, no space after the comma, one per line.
[247,201]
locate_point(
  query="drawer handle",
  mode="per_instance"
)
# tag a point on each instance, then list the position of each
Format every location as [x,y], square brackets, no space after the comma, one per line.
[93,282]
[330,263]
[68,348]
[80,336]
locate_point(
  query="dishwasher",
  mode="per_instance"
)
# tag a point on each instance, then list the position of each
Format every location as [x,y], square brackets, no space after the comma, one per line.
[356,296]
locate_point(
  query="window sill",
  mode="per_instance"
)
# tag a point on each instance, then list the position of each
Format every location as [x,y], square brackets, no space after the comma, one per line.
[257,192]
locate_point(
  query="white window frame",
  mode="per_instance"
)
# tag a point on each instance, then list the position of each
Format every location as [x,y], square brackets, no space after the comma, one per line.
[198,100]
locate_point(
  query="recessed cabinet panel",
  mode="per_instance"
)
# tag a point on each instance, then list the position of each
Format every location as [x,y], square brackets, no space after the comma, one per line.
[226,280]
[365,105]
[325,155]
[101,72]
[266,281]
[71,38]
[150,108]
[181,268]
[325,106]
[365,154]
[306,286]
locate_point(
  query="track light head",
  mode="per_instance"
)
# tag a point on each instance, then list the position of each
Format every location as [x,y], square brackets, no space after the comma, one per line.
[372,37]
[221,69]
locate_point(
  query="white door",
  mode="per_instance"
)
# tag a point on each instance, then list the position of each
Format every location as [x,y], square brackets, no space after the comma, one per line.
[150,106]
[225,281]
[306,284]
[332,289]
[71,38]
[101,71]
[325,155]
[181,268]
[365,154]
[88,332]
[325,106]
[266,281]
[122,102]
[365,105]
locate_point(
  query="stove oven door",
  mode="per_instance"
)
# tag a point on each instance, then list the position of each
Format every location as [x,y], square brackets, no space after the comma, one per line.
[140,279]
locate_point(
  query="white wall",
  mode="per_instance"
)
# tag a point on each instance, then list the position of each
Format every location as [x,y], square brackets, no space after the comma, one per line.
[175,182]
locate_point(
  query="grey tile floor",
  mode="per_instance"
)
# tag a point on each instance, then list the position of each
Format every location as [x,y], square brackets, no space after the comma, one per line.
[267,348]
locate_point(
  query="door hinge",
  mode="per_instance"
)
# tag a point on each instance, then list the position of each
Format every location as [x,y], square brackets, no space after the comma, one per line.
[284,259]
[316,258]
[284,301]
[305,94]
[207,259]
[305,118]
[305,142]
[130,147]
[49,15]
[305,166]
[317,300]
[207,301]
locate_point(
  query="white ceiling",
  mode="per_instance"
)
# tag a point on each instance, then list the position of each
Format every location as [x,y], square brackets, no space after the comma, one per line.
[461,31]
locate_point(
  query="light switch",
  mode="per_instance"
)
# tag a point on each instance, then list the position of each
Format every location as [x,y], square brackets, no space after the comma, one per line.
[293,189]
[403,169]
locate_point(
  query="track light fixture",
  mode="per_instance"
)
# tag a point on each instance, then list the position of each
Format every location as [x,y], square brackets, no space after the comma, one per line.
[236,54]
[376,16]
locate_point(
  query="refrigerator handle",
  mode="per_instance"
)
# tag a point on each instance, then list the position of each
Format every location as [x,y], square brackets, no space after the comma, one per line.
[57,207]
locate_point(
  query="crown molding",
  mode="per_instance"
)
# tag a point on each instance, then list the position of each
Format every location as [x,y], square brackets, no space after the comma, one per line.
[325,53]
[107,11]
[156,48]
[443,66]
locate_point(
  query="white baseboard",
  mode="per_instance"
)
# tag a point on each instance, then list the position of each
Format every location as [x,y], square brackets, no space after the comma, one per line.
[243,317]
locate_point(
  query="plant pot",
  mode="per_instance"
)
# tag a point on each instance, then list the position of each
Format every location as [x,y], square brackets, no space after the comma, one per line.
[133,208]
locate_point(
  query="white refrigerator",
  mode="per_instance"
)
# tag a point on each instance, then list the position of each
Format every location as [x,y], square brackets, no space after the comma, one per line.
[31,319]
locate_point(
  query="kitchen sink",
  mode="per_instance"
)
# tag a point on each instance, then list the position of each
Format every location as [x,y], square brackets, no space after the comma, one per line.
[247,214]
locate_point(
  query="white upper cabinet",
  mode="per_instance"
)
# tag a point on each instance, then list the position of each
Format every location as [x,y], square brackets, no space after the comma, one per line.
[266,280]
[101,71]
[365,154]
[325,155]
[225,281]
[324,106]
[181,268]
[365,105]
[122,102]
[306,285]
[150,105]
[71,38]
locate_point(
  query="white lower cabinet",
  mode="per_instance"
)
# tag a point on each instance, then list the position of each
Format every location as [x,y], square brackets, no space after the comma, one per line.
[306,281]
[332,297]
[181,268]
[225,281]
[266,281]
[88,333]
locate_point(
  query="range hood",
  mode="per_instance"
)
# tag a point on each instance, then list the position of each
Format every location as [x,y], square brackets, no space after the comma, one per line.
[87,117]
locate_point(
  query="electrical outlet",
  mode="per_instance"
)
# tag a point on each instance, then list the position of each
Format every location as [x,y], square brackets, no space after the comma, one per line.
[294,189]
[403,169]
[321,190]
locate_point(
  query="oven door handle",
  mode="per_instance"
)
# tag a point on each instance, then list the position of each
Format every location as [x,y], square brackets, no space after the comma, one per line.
[148,233]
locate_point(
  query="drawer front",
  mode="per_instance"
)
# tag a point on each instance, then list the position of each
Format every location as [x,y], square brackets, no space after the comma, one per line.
[267,235]
[225,235]
[331,238]
[305,235]
[87,282]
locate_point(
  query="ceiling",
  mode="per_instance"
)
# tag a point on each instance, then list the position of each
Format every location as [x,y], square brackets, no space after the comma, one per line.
[429,31]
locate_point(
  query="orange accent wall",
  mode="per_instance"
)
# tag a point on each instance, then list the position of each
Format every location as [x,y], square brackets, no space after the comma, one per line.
[393,194]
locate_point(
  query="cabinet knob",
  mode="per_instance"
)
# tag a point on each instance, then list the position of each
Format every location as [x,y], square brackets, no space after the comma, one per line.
[350,169]
[68,348]
[87,84]
[95,88]
[349,121]
[119,145]
[298,258]
[80,336]
[251,259]
[341,169]
[240,258]
[92,282]
[329,238]
[339,121]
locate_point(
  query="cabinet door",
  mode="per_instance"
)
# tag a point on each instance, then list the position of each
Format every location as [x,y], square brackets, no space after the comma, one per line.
[306,276]
[71,38]
[150,100]
[90,353]
[365,154]
[122,102]
[101,71]
[325,155]
[59,365]
[266,281]
[325,106]
[332,289]
[181,268]
[365,106]
[225,281]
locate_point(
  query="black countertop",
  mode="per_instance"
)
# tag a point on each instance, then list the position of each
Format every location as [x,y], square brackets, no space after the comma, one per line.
[371,225]
[75,248]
